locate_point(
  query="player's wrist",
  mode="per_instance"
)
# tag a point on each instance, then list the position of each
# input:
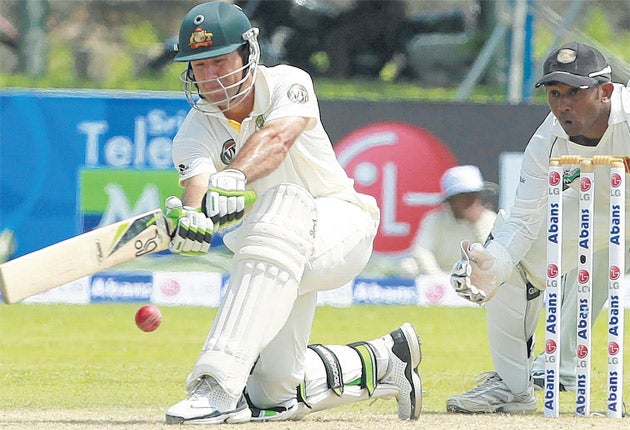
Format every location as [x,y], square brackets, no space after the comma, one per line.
[229,179]
[237,174]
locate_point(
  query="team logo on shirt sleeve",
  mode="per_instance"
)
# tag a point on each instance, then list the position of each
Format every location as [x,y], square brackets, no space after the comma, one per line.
[182,169]
[228,151]
[298,94]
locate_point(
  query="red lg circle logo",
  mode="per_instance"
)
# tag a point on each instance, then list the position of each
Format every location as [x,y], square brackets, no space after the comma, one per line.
[170,287]
[435,294]
[613,348]
[552,270]
[550,346]
[585,184]
[554,178]
[615,180]
[583,276]
[582,351]
[400,165]
[614,273]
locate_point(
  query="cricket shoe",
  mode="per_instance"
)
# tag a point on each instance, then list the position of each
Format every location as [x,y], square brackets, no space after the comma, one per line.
[538,376]
[200,407]
[405,355]
[490,396]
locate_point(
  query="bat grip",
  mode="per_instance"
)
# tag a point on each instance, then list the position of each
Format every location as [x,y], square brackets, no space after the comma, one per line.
[250,197]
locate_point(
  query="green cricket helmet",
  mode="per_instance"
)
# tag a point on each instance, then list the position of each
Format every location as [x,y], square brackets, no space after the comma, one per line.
[210,30]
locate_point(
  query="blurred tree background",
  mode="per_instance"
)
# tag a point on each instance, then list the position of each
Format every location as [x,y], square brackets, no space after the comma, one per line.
[396,49]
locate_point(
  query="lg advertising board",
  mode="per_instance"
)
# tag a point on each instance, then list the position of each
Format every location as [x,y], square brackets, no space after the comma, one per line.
[72,161]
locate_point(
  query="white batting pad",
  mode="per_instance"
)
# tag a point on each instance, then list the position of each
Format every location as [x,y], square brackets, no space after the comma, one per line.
[271,250]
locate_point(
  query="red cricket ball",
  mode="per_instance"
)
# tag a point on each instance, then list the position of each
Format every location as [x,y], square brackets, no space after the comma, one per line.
[148,318]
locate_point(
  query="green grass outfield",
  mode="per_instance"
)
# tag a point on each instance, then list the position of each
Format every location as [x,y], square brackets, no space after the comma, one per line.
[60,364]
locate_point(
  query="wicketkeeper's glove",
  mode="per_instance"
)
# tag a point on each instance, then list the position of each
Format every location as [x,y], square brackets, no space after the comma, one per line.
[226,198]
[478,274]
[192,230]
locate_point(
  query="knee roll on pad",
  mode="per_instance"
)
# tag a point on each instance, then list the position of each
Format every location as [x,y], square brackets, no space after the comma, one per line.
[280,229]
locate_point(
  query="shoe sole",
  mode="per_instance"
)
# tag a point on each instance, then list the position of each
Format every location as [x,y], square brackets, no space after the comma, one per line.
[510,408]
[504,409]
[413,341]
[235,417]
[412,355]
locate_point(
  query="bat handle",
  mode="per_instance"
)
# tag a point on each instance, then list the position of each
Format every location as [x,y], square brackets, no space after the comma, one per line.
[170,227]
[250,197]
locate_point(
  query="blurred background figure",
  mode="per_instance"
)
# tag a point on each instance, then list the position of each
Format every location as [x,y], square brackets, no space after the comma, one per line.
[463,216]
[388,40]
[369,28]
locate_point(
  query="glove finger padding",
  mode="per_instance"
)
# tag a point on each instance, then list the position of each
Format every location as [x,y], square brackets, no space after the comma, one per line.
[193,231]
[224,210]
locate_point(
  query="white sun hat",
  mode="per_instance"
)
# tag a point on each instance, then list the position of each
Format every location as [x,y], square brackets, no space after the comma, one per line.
[460,180]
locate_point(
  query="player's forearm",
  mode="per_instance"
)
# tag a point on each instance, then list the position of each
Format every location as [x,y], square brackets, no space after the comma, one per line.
[195,189]
[527,214]
[259,158]
[519,232]
[266,149]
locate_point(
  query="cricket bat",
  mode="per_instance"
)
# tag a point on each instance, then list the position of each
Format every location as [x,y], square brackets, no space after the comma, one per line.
[84,255]
[87,254]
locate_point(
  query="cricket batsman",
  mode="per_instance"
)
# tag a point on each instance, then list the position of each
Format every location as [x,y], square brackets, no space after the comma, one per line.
[257,128]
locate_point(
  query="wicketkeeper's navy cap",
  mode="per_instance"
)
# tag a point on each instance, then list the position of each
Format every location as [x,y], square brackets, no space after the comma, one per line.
[577,65]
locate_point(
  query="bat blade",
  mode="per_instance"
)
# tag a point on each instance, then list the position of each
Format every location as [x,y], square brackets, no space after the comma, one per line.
[83,255]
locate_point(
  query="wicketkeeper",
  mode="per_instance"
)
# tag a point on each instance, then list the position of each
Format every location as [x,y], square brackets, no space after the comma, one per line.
[589,116]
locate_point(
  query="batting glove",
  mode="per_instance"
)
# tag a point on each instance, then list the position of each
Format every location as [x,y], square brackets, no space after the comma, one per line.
[478,273]
[226,198]
[192,230]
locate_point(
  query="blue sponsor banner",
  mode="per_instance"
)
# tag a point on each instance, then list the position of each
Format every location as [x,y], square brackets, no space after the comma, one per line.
[390,291]
[47,137]
[117,287]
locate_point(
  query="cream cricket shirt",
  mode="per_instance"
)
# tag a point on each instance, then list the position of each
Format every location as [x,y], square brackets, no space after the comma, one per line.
[529,211]
[206,143]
